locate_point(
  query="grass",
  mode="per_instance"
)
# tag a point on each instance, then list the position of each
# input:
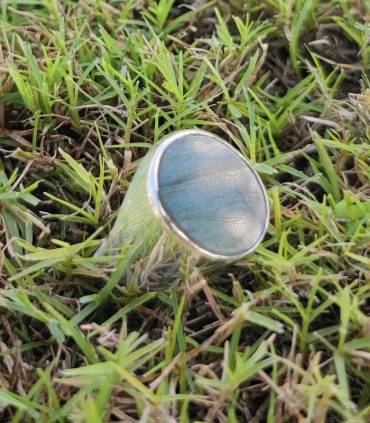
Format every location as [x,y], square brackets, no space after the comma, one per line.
[86,87]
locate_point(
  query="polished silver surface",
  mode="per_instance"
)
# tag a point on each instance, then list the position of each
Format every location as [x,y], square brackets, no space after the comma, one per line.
[208,194]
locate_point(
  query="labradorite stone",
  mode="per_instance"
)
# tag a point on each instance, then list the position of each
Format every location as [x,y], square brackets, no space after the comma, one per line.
[212,195]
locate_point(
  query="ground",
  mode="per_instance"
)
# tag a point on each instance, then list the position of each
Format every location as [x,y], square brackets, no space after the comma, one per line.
[86,87]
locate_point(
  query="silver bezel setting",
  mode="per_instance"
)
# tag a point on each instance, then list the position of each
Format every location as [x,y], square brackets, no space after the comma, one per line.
[156,205]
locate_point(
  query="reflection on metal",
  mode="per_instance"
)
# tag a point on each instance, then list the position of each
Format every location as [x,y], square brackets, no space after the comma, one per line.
[198,191]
